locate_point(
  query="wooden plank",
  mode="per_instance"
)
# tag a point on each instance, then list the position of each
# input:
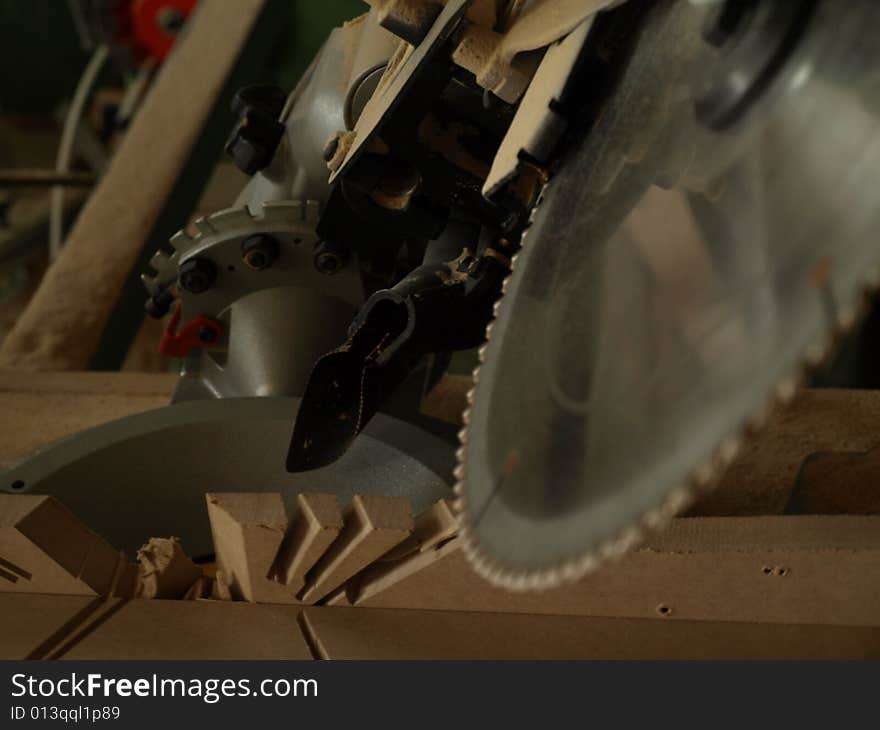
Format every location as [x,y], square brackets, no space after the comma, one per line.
[316,523]
[373,525]
[761,479]
[797,569]
[44,548]
[358,633]
[39,408]
[248,529]
[191,630]
[29,622]
[62,326]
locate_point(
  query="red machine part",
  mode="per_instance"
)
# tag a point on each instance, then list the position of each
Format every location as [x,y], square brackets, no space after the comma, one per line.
[155,23]
[199,332]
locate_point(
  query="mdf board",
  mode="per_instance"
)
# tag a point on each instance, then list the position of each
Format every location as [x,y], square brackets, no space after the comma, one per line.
[798,569]
[158,629]
[31,624]
[39,408]
[762,478]
[355,633]
[247,530]
[314,527]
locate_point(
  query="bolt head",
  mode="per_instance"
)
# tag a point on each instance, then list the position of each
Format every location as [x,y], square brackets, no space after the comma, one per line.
[197,275]
[329,258]
[259,252]
[327,263]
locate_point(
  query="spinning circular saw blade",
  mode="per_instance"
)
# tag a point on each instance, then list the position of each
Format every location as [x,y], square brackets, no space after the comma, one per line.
[701,243]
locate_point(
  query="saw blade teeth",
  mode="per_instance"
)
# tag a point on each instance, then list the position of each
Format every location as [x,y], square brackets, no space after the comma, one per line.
[676,502]
[726,452]
[180,241]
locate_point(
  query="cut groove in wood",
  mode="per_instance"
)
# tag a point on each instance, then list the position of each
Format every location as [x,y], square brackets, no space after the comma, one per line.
[248,529]
[373,525]
[316,523]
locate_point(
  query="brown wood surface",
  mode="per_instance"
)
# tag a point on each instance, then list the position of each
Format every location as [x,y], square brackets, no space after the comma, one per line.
[355,633]
[190,630]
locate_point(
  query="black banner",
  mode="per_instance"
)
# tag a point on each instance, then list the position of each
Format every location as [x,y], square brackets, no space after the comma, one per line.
[240,694]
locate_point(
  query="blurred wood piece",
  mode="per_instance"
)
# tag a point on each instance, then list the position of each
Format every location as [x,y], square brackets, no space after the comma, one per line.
[62,326]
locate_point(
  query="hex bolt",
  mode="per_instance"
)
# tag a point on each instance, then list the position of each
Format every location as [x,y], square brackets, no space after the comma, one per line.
[259,252]
[196,275]
[157,306]
[329,257]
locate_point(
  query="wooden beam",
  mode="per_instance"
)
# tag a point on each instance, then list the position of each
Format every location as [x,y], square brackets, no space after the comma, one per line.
[64,322]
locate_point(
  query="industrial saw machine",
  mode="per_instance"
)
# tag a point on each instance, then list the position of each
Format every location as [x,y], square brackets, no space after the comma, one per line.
[649,217]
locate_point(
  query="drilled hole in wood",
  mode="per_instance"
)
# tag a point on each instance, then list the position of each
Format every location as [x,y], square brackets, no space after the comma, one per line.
[663,609]
[782,571]
[17,485]
[766,570]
